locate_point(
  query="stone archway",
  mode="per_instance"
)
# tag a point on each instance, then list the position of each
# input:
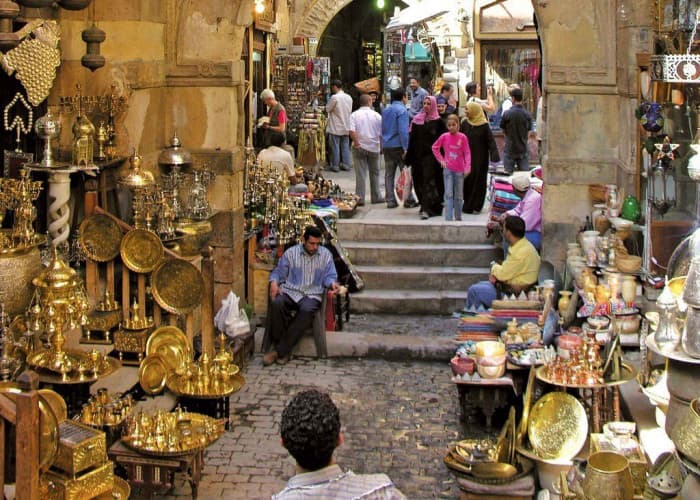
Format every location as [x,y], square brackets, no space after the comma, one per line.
[317,15]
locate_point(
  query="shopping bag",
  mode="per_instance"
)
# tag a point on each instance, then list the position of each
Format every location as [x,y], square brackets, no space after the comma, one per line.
[404,184]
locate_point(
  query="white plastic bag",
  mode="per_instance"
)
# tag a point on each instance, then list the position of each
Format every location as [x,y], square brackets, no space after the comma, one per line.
[231,319]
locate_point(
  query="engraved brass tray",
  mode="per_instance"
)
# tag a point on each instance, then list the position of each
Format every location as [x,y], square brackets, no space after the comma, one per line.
[48,428]
[141,250]
[120,491]
[204,431]
[152,374]
[100,238]
[557,427]
[172,344]
[217,388]
[177,286]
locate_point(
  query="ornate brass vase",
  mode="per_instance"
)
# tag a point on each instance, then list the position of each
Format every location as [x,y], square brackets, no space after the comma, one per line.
[608,477]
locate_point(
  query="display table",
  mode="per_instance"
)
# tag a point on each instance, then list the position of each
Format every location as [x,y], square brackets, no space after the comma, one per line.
[486,395]
[156,474]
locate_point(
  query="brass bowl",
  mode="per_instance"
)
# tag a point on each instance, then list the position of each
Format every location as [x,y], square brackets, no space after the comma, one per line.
[686,433]
[608,477]
[196,234]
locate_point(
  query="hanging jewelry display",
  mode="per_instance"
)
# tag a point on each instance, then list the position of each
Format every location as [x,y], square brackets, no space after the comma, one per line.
[35,59]
[18,123]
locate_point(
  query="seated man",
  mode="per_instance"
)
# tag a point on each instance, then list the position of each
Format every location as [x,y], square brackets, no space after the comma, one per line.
[310,430]
[297,284]
[282,160]
[529,209]
[517,273]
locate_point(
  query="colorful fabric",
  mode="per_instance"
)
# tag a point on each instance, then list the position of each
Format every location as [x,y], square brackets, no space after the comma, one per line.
[453,149]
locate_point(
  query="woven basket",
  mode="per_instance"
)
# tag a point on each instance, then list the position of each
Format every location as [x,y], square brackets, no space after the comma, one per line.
[599,193]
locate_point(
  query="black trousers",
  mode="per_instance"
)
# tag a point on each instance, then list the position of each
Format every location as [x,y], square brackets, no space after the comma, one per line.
[286,327]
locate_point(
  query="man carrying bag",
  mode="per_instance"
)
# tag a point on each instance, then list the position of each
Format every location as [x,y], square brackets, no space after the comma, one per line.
[394,146]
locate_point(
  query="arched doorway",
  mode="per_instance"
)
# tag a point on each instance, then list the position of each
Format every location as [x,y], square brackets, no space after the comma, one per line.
[353,40]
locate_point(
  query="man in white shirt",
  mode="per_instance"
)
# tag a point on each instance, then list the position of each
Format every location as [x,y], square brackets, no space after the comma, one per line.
[366,135]
[282,161]
[339,108]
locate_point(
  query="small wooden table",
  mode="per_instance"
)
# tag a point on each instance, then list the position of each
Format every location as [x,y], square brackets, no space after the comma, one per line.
[485,394]
[156,474]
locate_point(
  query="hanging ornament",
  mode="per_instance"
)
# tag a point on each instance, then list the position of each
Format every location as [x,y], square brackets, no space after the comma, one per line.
[93,37]
[35,3]
[74,4]
[8,11]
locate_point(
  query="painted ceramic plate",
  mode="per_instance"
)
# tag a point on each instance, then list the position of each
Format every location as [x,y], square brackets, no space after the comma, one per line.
[557,426]
[152,374]
[177,286]
[141,250]
[100,237]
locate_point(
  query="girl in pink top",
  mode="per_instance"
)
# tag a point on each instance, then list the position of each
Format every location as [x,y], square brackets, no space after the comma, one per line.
[452,151]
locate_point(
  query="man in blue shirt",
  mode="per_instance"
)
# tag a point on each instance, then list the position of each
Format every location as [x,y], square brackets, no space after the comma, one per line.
[297,284]
[394,144]
[416,94]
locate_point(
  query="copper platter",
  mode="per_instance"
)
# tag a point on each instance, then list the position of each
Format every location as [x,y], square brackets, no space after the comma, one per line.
[153,373]
[48,428]
[558,426]
[172,344]
[100,238]
[177,286]
[141,250]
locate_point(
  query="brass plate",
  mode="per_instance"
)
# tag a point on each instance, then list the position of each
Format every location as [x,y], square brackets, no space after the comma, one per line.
[172,344]
[527,403]
[120,491]
[177,286]
[557,426]
[48,429]
[141,250]
[180,386]
[152,374]
[100,237]
[56,402]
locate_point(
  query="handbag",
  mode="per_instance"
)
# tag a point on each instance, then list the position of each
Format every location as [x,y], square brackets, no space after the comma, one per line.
[404,184]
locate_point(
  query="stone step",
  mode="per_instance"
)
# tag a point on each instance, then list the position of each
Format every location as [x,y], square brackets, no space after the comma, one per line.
[408,301]
[421,277]
[381,253]
[467,231]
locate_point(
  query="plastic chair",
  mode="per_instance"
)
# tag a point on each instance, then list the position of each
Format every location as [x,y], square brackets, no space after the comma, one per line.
[318,328]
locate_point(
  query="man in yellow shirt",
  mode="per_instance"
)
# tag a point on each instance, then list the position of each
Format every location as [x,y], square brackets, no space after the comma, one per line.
[517,273]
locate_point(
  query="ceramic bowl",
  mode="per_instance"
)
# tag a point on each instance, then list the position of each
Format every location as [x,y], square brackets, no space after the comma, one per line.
[598,322]
[487,348]
[491,371]
[628,323]
[495,360]
[461,365]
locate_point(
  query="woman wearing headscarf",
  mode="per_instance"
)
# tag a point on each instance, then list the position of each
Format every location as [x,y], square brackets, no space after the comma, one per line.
[424,130]
[483,147]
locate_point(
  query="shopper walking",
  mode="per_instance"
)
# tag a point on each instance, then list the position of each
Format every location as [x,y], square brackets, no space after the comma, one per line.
[394,145]
[452,151]
[366,135]
[416,94]
[339,108]
[425,129]
[483,147]
[516,125]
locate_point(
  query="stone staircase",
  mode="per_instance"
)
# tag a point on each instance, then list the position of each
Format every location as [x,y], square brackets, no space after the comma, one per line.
[416,267]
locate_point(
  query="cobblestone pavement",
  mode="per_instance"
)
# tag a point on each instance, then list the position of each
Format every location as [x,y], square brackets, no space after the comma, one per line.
[417,325]
[398,418]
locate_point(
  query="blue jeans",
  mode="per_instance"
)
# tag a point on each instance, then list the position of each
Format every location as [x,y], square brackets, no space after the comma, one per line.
[393,161]
[482,293]
[534,237]
[340,146]
[522,161]
[364,162]
[454,193]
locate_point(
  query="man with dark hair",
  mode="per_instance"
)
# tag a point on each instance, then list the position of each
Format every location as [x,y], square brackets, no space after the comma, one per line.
[310,430]
[297,284]
[444,101]
[517,273]
[516,125]
[366,137]
[416,94]
[394,145]
[339,108]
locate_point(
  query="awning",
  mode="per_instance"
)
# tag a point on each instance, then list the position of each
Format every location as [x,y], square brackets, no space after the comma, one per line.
[419,12]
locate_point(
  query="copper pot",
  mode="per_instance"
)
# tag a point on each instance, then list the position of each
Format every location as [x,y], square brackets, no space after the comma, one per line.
[608,477]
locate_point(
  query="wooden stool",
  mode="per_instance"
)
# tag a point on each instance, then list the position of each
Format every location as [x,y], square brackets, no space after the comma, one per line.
[156,474]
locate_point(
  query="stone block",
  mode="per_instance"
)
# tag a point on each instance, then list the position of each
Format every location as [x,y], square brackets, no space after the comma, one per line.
[222,229]
[224,267]
[219,161]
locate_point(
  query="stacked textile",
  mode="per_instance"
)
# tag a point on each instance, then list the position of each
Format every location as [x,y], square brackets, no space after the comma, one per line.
[477,327]
[520,315]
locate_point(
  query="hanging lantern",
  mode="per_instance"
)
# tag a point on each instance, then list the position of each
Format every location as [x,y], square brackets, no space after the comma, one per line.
[74,4]
[93,37]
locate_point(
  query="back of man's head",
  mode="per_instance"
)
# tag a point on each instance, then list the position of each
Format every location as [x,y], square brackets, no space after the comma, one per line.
[398,95]
[365,100]
[515,225]
[446,87]
[337,83]
[517,94]
[310,429]
[276,138]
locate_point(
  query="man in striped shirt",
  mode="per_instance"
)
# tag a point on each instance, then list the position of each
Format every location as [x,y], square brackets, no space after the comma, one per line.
[297,284]
[310,430]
